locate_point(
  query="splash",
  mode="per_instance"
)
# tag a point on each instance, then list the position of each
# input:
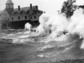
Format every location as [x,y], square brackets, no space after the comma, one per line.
[28,26]
[76,22]
[62,27]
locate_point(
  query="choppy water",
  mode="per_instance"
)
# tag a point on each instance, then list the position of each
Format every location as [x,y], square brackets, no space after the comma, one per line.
[38,50]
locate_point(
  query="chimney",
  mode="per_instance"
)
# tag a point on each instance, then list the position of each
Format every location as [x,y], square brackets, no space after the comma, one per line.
[18,7]
[36,7]
[30,6]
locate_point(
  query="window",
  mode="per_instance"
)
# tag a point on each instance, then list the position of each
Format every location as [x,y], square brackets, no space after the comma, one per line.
[34,17]
[21,12]
[31,17]
[27,12]
[19,17]
[12,18]
[25,17]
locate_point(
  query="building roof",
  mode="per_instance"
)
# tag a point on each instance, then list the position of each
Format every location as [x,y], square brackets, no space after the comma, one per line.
[24,9]
[9,1]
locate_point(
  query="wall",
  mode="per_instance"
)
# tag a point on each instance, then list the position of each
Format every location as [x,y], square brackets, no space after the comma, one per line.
[4,16]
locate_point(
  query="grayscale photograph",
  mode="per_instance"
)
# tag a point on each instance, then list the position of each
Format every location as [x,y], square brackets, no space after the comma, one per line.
[41,31]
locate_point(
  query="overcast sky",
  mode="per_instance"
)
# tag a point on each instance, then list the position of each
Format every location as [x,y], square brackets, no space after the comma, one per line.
[47,5]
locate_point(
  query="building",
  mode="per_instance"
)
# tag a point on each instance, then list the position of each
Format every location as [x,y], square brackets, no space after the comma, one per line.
[4,16]
[16,18]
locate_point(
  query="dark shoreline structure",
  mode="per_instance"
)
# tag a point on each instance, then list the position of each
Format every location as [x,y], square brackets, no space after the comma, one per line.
[16,18]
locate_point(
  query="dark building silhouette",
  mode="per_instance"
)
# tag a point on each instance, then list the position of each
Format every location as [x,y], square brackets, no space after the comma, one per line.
[16,18]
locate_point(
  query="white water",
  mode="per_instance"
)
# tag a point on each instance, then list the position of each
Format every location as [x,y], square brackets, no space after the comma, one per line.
[59,23]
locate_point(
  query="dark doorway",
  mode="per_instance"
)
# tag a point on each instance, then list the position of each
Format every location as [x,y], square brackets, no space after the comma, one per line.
[21,24]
